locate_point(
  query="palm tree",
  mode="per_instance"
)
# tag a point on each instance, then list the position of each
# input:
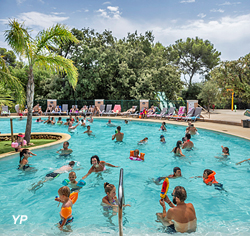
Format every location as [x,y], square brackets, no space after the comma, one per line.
[38,52]
[11,87]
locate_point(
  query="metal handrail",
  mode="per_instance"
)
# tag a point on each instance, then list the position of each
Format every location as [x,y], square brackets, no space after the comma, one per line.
[121,201]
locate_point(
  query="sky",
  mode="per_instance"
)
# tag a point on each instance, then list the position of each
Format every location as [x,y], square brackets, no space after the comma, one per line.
[225,23]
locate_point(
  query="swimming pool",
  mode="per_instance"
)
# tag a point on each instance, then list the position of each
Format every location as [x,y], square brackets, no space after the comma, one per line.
[218,212]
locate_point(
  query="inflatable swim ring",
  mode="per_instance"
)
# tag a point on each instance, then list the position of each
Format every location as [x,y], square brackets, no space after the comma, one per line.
[14,145]
[133,158]
[164,188]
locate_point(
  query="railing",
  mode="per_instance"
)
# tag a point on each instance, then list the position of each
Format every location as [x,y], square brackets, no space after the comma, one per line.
[121,201]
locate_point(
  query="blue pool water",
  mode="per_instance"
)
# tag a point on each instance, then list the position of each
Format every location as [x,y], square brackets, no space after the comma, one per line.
[218,212]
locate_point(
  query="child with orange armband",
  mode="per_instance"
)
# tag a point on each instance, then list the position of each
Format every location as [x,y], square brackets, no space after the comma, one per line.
[209,179]
[134,155]
[67,200]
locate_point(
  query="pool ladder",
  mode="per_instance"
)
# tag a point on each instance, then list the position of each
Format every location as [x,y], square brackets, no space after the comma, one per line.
[121,201]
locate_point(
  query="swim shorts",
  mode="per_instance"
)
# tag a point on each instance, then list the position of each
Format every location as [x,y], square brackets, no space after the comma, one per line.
[53,175]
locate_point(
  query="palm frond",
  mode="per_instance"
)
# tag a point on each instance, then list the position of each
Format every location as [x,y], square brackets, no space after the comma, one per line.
[17,37]
[50,37]
[5,97]
[59,64]
[11,82]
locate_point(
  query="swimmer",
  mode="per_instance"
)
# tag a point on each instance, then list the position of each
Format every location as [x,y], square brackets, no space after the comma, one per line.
[91,119]
[188,144]
[67,122]
[64,193]
[177,150]
[137,154]
[72,182]
[53,121]
[180,218]
[162,139]
[225,153]
[97,166]
[163,127]
[191,129]
[71,127]
[126,122]
[65,151]
[176,174]
[47,121]
[88,131]
[239,163]
[118,135]
[59,122]
[53,175]
[39,120]
[23,163]
[83,123]
[143,141]
[209,178]
[110,124]
[71,119]
[110,200]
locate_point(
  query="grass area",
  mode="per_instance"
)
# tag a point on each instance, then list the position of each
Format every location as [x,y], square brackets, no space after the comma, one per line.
[5,146]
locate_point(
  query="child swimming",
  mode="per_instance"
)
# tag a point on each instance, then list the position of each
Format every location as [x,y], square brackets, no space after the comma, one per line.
[88,131]
[24,155]
[143,141]
[163,127]
[225,153]
[110,201]
[162,139]
[66,209]
[75,186]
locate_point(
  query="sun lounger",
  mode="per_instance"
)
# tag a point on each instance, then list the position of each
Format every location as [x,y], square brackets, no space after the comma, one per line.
[5,111]
[102,109]
[128,113]
[108,110]
[163,112]
[181,111]
[196,114]
[65,109]
[171,112]
[189,114]
[116,110]
[135,113]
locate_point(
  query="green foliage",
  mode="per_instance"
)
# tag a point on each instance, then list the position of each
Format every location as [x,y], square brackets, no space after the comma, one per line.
[234,75]
[192,91]
[194,56]
[8,56]
[209,93]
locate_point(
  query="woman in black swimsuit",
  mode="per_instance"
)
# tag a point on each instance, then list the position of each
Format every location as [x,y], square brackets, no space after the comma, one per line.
[23,163]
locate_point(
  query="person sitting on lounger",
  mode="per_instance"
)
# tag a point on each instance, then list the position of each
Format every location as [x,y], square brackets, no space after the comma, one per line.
[91,109]
[49,108]
[96,111]
[58,109]
[84,109]
[35,108]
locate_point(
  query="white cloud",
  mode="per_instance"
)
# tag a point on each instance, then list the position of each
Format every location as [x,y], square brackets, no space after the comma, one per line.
[229,3]
[20,1]
[110,12]
[86,10]
[38,19]
[58,13]
[217,10]
[106,3]
[230,35]
[187,1]
[201,15]
[41,1]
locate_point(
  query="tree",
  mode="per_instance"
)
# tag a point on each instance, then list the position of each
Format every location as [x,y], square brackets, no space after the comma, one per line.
[209,93]
[38,53]
[11,87]
[234,75]
[8,56]
[194,56]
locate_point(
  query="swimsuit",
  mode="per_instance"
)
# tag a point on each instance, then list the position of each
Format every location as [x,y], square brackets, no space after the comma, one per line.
[69,220]
[53,175]
[24,167]
[171,229]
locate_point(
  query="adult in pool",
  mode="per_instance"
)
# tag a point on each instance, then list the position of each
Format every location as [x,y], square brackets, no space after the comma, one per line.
[110,124]
[118,135]
[188,145]
[177,150]
[97,166]
[24,155]
[191,129]
[71,127]
[53,175]
[180,218]
[65,151]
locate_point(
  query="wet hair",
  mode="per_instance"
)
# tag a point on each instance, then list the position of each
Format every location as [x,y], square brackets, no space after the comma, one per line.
[164,123]
[188,136]
[119,128]
[88,126]
[227,150]
[108,187]
[97,158]
[68,120]
[192,125]
[24,151]
[177,145]
[71,163]
[67,143]
[176,168]
[162,136]
[65,191]
[183,139]
[181,193]
[72,173]
[137,151]
[208,171]
[37,120]
[59,118]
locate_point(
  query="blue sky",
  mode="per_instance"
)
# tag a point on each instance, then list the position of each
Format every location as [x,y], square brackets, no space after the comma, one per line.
[225,23]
